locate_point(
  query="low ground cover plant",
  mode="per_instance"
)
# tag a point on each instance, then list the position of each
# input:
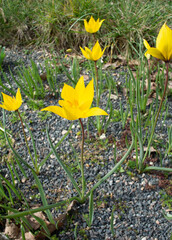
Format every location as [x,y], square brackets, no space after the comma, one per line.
[78,102]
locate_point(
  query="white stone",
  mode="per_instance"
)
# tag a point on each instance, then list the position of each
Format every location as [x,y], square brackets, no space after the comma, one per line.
[103,136]
[64,132]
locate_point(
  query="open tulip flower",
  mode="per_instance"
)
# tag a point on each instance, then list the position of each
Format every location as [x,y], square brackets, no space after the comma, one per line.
[95,54]
[11,103]
[163,48]
[77,102]
[93,26]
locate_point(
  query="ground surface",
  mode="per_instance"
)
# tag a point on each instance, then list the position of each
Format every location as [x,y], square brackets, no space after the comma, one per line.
[135,199]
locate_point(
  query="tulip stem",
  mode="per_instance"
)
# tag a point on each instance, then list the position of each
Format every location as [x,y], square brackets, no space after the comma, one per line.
[97,97]
[159,109]
[97,90]
[94,38]
[27,145]
[82,160]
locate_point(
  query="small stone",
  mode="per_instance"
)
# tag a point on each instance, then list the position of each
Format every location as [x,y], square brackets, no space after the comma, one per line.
[64,132]
[103,136]
[23,179]
[157,222]
[110,182]
[25,107]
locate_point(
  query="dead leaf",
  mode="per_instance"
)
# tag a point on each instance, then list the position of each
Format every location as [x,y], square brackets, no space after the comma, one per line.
[28,236]
[34,224]
[149,101]
[133,63]
[152,149]
[12,230]
[114,65]
[154,96]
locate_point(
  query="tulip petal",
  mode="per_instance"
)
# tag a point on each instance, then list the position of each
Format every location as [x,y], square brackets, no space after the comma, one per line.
[164,41]
[55,109]
[4,107]
[86,53]
[18,98]
[87,98]
[95,111]
[68,93]
[146,44]
[155,53]
[86,25]
[80,88]
[97,51]
[147,55]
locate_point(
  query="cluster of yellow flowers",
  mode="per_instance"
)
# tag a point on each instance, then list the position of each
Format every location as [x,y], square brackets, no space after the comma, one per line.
[77,102]
[92,27]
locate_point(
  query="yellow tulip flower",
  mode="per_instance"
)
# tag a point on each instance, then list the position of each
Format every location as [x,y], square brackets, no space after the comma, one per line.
[77,102]
[95,54]
[163,48]
[92,26]
[11,103]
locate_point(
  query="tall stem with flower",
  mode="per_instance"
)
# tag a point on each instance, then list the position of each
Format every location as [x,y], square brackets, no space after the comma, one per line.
[163,51]
[13,104]
[76,104]
[92,27]
[94,55]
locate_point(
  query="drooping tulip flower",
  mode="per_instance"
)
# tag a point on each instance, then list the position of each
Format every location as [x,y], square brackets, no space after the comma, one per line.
[163,48]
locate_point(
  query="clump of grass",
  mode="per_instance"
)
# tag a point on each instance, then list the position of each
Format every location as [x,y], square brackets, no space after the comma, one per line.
[59,24]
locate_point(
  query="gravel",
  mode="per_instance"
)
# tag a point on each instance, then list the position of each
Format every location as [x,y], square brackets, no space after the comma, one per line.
[134,199]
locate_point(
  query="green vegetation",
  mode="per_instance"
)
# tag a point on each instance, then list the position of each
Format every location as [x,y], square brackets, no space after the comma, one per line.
[59,24]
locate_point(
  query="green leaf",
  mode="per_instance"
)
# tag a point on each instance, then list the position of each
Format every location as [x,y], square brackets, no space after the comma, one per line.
[91,208]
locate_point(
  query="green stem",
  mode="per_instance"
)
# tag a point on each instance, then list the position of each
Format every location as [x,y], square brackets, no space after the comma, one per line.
[97,98]
[97,90]
[26,138]
[94,38]
[156,119]
[82,160]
